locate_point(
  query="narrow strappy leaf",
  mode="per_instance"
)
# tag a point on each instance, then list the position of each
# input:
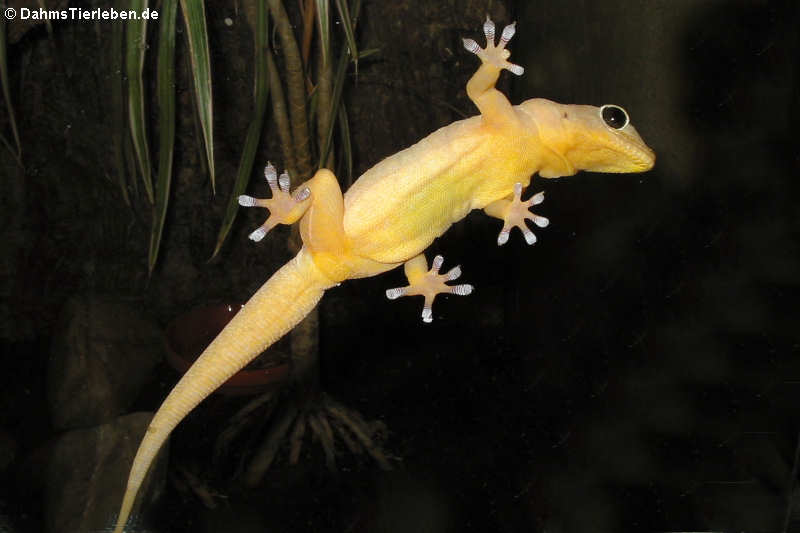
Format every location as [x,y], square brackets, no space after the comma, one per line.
[348,16]
[347,147]
[166,123]
[136,44]
[6,90]
[194,17]
[261,93]
[324,24]
[325,112]
[338,83]
[117,94]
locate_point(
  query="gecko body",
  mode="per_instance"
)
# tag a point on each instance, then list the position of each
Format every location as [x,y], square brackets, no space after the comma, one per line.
[395,210]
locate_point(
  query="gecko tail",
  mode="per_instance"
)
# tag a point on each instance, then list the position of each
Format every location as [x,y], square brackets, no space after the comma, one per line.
[282,302]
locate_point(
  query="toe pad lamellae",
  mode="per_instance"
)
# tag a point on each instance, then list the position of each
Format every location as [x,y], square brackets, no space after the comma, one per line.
[429,283]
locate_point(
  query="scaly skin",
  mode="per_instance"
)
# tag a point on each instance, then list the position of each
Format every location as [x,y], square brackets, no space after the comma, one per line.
[395,210]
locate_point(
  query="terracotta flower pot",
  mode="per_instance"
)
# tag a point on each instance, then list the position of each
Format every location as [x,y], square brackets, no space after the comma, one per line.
[188,335]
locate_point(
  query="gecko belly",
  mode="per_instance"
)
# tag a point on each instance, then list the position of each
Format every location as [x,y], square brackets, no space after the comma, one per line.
[399,206]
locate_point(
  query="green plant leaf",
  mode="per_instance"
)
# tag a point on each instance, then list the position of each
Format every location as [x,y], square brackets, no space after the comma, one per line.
[4,81]
[368,52]
[8,145]
[324,22]
[261,92]
[347,16]
[165,89]
[323,90]
[118,138]
[129,155]
[338,84]
[194,17]
[136,33]
[347,148]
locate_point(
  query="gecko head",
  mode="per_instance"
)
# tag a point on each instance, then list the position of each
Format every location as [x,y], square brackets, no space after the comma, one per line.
[584,137]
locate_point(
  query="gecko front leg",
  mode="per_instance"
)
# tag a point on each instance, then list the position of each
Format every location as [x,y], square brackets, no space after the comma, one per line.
[514,212]
[493,104]
[429,283]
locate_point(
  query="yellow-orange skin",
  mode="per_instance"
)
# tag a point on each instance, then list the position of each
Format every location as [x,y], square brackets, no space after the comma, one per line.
[392,213]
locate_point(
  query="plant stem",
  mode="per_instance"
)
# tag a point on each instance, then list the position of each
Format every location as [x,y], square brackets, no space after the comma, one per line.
[295,88]
[281,118]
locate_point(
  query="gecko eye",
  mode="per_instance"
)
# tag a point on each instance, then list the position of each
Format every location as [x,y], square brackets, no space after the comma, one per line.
[614,116]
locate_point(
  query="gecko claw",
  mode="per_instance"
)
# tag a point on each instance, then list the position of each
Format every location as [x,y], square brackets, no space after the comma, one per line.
[429,284]
[495,54]
[284,208]
[518,213]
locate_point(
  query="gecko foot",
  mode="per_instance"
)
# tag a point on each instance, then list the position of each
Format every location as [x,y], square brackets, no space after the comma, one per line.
[518,212]
[429,284]
[496,55]
[284,208]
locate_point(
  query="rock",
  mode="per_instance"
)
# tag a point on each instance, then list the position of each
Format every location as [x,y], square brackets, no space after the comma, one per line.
[88,473]
[102,353]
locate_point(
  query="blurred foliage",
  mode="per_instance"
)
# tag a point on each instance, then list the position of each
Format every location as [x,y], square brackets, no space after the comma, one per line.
[305,91]
[4,82]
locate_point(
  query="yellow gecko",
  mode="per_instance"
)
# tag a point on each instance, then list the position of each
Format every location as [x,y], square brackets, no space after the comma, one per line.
[395,210]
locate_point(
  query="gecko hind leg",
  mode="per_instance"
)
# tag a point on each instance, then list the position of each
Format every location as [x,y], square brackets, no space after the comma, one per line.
[284,208]
[429,283]
[514,213]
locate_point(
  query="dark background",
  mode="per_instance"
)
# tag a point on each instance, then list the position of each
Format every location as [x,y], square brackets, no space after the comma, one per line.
[636,369]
